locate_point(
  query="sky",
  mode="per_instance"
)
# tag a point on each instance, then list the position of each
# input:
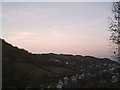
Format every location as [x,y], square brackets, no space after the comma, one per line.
[79,28]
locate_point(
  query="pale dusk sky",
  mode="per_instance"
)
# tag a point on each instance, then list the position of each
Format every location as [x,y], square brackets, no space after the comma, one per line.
[62,27]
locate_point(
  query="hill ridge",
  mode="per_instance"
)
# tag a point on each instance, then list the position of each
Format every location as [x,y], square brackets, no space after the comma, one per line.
[3,41]
[21,69]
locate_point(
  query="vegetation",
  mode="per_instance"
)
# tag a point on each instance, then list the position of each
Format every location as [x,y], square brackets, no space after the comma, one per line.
[115,29]
[21,69]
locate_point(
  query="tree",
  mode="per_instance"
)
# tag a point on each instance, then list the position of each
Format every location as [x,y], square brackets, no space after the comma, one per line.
[115,29]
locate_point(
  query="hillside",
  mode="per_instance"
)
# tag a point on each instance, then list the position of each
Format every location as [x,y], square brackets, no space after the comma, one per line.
[21,69]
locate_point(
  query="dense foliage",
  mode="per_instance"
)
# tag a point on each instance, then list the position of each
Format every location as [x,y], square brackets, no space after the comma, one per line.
[115,29]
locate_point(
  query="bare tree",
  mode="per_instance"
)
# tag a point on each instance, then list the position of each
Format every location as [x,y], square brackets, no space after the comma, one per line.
[115,29]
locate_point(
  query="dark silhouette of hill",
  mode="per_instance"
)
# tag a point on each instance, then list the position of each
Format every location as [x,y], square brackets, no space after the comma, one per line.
[22,69]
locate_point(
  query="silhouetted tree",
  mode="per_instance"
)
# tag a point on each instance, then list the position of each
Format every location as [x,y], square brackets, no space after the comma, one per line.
[115,28]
